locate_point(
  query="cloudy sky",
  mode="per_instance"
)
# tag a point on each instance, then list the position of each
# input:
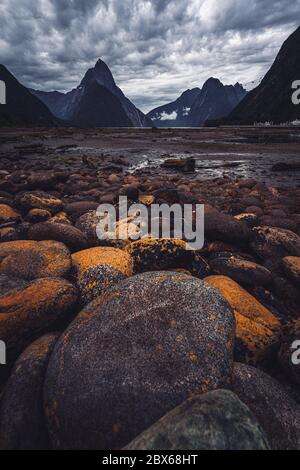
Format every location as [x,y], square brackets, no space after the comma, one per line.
[155,48]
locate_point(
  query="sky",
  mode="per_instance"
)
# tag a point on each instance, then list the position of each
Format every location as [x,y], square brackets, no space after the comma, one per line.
[155,49]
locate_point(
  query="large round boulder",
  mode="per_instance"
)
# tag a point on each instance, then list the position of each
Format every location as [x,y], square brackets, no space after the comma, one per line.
[22,421]
[277,412]
[29,260]
[216,420]
[257,329]
[134,354]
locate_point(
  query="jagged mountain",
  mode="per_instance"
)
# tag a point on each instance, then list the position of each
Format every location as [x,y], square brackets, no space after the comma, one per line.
[176,113]
[215,101]
[22,108]
[271,101]
[98,99]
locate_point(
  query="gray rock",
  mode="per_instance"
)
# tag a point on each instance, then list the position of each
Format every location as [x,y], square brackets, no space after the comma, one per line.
[217,420]
[277,412]
[96,280]
[271,242]
[22,422]
[242,271]
[134,354]
[87,223]
[74,238]
[223,227]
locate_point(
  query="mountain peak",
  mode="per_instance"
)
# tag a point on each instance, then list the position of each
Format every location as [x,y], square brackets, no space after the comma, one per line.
[212,83]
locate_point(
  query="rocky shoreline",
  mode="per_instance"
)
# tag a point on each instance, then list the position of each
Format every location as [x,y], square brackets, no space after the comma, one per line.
[143,341]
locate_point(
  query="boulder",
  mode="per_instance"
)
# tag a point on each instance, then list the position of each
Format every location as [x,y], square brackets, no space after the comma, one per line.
[87,223]
[151,254]
[38,215]
[8,215]
[223,227]
[42,180]
[22,421]
[216,420]
[257,329]
[39,200]
[274,243]
[146,345]
[29,260]
[67,234]
[29,309]
[99,268]
[291,267]
[242,271]
[76,209]
[274,408]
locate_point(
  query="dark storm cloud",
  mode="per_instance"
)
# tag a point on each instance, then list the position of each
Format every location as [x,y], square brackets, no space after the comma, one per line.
[155,48]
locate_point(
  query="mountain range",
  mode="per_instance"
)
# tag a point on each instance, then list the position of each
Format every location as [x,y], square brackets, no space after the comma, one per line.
[194,107]
[176,113]
[99,102]
[271,100]
[22,108]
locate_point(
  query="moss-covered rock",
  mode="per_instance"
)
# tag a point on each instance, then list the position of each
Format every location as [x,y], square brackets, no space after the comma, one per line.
[99,256]
[151,254]
[97,269]
[29,309]
[257,329]
[29,260]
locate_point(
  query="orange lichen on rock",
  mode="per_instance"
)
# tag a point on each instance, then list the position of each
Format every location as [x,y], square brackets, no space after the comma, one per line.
[150,254]
[30,259]
[257,329]
[8,214]
[28,310]
[98,256]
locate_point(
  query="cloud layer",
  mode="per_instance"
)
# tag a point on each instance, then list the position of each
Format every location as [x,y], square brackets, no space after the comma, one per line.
[155,48]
